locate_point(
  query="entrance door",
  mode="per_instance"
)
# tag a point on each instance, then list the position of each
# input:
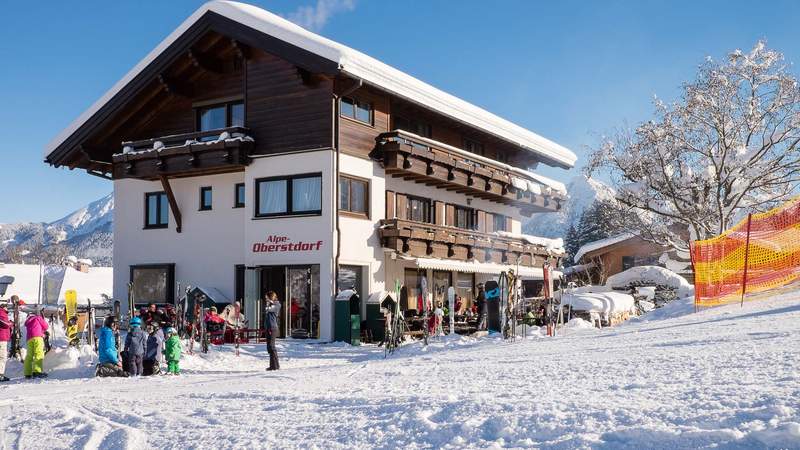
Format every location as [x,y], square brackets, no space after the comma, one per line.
[441,281]
[302,283]
[273,278]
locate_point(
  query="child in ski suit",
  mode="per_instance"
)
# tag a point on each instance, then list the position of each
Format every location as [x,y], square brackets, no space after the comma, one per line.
[134,346]
[35,326]
[172,352]
[151,355]
[5,336]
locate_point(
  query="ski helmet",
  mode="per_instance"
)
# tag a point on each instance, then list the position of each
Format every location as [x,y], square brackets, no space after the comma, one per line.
[171,330]
[136,322]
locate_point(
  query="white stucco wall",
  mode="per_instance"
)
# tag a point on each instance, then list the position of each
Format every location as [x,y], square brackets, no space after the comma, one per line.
[208,247]
[309,229]
[361,245]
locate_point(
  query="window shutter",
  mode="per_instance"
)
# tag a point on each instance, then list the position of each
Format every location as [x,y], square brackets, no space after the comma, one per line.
[401,204]
[390,205]
[489,223]
[509,225]
[440,212]
[482,221]
[450,215]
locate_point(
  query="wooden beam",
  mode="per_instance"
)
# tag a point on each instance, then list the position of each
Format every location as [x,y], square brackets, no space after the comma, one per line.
[171,86]
[173,204]
[241,50]
[206,62]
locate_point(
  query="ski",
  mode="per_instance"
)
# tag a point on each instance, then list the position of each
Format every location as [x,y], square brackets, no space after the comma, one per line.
[237,308]
[117,341]
[16,334]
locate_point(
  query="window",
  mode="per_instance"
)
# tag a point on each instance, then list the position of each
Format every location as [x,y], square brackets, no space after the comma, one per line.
[350,277]
[636,261]
[413,126]
[205,198]
[499,222]
[238,195]
[294,195]
[466,218]
[356,109]
[153,283]
[353,195]
[219,116]
[474,147]
[156,210]
[420,210]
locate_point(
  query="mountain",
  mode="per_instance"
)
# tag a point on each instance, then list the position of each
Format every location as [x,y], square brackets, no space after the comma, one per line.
[582,191]
[85,233]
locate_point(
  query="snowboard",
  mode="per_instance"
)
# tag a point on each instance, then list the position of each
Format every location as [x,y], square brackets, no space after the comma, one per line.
[71,316]
[493,305]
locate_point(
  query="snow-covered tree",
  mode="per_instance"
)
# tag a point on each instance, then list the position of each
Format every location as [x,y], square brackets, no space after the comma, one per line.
[599,221]
[728,146]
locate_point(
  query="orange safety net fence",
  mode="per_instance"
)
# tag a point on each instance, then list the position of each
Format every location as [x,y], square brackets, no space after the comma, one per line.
[760,253]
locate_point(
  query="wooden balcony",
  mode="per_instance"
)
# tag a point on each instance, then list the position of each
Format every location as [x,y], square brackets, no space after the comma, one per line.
[436,164]
[190,154]
[426,240]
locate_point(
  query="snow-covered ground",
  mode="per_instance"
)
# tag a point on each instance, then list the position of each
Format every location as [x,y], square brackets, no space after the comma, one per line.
[727,377]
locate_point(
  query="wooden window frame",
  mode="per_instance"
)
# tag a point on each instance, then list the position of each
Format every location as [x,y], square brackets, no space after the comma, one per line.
[228,108]
[494,222]
[428,131]
[203,206]
[169,267]
[473,214]
[236,203]
[356,101]
[159,198]
[350,212]
[431,208]
[477,144]
[289,186]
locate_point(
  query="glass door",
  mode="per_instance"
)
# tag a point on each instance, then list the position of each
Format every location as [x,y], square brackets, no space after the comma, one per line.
[302,295]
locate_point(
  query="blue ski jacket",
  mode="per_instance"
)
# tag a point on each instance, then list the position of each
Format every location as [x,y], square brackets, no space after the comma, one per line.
[107,346]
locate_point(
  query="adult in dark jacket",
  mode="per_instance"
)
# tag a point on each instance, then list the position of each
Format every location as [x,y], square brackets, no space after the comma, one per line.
[483,311]
[135,343]
[109,364]
[273,309]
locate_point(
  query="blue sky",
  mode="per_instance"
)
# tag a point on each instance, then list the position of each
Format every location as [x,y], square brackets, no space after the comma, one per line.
[567,70]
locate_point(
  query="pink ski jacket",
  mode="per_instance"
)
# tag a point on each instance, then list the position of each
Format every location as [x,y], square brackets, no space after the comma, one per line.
[5,326]
[35,326]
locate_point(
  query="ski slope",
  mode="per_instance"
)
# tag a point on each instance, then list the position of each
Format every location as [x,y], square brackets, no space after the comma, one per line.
[725,378]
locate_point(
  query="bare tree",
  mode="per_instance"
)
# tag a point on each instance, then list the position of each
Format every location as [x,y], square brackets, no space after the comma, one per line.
[728,146]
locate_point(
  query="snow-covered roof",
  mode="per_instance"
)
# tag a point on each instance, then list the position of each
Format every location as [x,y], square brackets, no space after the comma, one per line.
[524,272]
[651,274]
[350,62]
[553,246]
[92,285]
[602,243]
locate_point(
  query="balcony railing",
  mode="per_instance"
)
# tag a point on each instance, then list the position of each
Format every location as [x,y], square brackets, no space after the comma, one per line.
[434,163]
[197,153]
[436,241]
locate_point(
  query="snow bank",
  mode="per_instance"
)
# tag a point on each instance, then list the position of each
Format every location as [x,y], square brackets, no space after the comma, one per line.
[651,274]
[552,245]
[601,302]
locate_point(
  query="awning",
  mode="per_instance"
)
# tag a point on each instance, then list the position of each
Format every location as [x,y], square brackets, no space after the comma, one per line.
[529,273]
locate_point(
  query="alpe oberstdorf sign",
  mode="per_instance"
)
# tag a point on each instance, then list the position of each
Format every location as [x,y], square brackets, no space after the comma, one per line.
[282,244]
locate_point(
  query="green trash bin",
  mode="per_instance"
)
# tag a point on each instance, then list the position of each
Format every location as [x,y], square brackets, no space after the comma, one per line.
[347,320]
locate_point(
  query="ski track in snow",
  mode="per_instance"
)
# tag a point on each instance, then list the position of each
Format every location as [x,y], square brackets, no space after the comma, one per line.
[724,378]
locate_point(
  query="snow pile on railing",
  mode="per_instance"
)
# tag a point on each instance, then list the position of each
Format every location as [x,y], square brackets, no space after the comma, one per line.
[553,246]
[159,145]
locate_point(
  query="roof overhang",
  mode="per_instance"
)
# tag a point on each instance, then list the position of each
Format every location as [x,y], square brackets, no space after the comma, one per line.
[269,32]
